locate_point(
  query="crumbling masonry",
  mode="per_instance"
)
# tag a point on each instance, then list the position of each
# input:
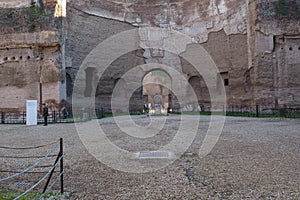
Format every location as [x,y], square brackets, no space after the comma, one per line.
[255,45]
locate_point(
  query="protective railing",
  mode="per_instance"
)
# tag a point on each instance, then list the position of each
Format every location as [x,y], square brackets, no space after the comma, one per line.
[262,111]
[229,110]
[53,117]
[47,175]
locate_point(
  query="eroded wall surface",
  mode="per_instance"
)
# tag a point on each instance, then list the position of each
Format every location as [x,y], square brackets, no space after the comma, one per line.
[30,55]
[254,44]
[219,26]
[276,52]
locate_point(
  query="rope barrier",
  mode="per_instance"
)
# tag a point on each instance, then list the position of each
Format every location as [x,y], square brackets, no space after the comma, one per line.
[10,171]
[52,185]
[22,148]
[26,156]
[39,182]
[31,167]
[47,174]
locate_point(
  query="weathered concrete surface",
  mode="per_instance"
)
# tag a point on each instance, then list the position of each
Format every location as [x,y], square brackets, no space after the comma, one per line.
[188,16]
[22,3]
[14,4]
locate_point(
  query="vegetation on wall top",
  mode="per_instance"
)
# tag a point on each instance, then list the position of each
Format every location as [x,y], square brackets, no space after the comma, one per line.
[25,19]
[280,9]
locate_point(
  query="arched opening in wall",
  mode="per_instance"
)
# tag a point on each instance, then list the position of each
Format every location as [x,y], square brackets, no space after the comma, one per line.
[69,85]
[122,89]
[195,83]
[198,85]
[89,79]
[157,91]
[109,77]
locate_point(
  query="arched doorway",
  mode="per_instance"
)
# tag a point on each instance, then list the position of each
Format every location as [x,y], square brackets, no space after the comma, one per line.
[195,82]
[157,90]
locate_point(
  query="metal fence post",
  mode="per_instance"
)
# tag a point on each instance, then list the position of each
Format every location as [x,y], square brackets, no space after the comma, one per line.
[61,167]
[54,116]
[257,110]
[23,115]
[2,117]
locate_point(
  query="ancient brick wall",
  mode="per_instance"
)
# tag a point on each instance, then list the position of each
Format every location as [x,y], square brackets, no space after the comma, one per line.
[255,45]
[30,54]
[220,26]
[276,64]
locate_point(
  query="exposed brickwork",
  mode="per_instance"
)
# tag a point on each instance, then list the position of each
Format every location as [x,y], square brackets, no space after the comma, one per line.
[255,45]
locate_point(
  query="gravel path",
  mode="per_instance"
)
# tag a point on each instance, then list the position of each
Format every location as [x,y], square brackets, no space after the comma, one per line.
[253,159]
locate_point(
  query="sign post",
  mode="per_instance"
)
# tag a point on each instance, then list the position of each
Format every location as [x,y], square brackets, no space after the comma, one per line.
[31,110]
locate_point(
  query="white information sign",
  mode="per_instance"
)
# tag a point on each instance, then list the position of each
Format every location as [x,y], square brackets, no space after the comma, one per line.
[31,112]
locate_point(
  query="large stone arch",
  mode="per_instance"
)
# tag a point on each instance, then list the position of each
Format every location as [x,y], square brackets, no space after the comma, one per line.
[195,82]
[110,50]
[157,83]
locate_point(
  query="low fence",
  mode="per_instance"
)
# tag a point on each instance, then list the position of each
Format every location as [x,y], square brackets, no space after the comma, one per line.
[53,117]
[244,111]
[262,111]
[20,118]
[38,167]
[228,110]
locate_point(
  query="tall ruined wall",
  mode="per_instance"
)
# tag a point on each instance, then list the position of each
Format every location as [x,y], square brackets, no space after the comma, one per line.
[192,17]
[22,3]
[30,54]
[85,32]
[255,45]
[276,52]
[230,54]
[220,26]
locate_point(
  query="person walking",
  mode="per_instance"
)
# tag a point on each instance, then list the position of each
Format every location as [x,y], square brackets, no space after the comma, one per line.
[64,112]
[45,114]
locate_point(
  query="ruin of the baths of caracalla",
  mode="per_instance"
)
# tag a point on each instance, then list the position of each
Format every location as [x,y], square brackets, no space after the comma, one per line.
[254,44]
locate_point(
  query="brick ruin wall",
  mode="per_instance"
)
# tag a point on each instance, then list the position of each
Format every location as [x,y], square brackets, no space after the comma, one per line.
[221,31]
[255,44]
[30,54]
[276,52]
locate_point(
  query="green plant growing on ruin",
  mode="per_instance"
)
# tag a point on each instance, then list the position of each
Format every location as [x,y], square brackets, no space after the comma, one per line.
[35,16]
[24,19]
[282,7]
[7,18]
[33,10]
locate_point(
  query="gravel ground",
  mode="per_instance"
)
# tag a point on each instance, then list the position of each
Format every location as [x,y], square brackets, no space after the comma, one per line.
[253,159]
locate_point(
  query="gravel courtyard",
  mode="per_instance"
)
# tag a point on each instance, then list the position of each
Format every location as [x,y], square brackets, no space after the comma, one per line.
[253,159]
